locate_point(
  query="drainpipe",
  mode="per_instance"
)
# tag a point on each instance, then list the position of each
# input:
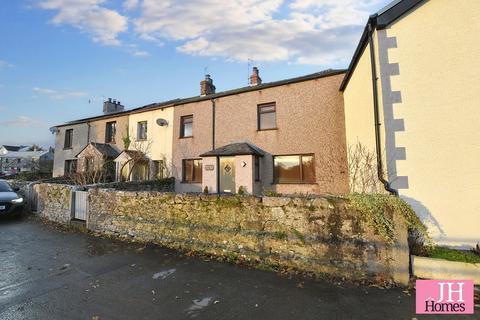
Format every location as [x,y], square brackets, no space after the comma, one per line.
[213,123]
[217,165]
[378,144]
[88,133]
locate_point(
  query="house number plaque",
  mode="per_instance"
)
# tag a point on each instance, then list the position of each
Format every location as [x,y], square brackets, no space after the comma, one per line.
[209,167]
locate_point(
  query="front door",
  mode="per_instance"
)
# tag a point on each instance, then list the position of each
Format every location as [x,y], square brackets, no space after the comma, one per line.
[227,174]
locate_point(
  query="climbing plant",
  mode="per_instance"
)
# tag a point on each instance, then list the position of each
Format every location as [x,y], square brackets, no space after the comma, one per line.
[375,207]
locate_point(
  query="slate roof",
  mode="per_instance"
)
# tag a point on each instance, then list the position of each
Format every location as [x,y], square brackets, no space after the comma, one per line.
[235,149]
[380,20]
[13,148]
[105,149]
[180,101]
[24,154]
[133,154]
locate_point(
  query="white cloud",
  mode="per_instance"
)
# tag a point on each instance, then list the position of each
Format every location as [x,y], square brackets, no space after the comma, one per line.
[130,4]
[23,122]
[140,53]
[323,32]
[58,95]
[5,65]
[311,31]
[102,24]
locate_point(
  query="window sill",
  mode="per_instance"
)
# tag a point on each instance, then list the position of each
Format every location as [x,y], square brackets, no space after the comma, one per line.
[189,137]
[141,140]
[190,182]
[65,148]
[270,129]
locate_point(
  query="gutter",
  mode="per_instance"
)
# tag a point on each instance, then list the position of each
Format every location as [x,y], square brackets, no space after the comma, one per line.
[378,144]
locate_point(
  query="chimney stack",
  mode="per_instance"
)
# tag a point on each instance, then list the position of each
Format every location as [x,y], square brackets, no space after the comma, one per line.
[112,106]
[206,86]
[255,79]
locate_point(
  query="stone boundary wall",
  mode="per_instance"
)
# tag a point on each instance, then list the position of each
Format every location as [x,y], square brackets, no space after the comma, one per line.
[54,202]
[322,236]
[164,185]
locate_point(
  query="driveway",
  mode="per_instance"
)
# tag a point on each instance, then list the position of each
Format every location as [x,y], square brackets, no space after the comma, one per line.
[48,273]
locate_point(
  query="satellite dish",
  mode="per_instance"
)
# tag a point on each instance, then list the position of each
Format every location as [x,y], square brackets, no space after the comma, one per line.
[162,122]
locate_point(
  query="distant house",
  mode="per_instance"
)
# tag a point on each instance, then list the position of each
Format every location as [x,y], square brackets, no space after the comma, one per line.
[4,149]
[421,112]
[16,159]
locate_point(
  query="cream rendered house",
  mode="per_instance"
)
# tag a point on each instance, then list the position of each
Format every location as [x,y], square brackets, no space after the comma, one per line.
[149,156]
[425,94]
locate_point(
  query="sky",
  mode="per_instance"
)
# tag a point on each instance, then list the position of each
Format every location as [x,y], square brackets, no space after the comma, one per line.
[60,59]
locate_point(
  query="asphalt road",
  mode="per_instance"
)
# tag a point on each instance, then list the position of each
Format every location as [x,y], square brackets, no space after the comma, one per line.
[46,273]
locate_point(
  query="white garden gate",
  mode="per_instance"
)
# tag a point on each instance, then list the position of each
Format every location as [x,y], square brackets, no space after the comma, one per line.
[80,205]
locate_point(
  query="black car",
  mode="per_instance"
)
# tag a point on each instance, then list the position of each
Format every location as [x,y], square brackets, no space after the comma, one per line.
[11,204]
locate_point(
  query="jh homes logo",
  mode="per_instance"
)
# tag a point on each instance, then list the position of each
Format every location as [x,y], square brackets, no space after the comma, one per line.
[444,297]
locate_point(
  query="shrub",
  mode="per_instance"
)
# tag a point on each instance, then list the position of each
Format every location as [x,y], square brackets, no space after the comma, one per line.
[241,190]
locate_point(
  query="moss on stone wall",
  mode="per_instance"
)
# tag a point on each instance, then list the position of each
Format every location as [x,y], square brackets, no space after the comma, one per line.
[318,235]
[378,211]
[54,202]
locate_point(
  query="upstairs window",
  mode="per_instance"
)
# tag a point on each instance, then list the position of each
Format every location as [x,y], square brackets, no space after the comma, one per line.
[68,139]
[192,170]
[142,130]
[267,118]
[186,126]
[110,132]
[294,169]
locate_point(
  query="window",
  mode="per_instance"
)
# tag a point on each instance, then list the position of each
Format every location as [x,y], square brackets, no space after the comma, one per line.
[70,166]
[89,164]
[294,169]
[267,116]
[257,168]
[159,168]
[68,139]
[192,170]
[186,126]
[142,130]
[110,131]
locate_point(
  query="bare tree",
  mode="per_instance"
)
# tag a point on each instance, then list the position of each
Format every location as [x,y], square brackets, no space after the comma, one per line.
[96,175]
[362,167]
[137,155]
